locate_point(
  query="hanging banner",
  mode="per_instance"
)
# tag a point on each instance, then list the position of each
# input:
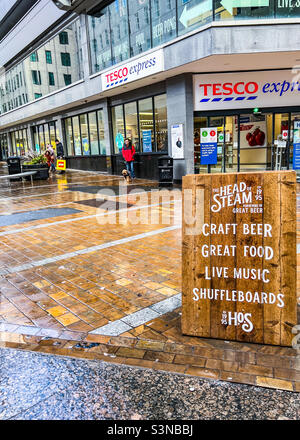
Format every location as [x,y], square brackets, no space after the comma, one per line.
[208,146]
[177,141]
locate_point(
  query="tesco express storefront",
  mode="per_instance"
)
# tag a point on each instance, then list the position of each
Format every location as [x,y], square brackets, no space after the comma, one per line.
[246,121]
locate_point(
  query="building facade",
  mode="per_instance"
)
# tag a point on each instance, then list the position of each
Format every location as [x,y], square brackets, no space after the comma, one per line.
[213,83]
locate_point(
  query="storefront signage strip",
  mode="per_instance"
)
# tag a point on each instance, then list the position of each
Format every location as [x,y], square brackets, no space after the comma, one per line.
[246,90]
[133,70]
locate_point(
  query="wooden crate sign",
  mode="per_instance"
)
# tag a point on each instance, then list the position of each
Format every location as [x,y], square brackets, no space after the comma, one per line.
[239,257]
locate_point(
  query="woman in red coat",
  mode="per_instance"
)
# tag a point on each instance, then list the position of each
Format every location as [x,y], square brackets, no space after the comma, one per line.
[128,152]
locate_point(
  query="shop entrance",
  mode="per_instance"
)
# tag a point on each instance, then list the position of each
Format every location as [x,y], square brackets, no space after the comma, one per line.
[256,141]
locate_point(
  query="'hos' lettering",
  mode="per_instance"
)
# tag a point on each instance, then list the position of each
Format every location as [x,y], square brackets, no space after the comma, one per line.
[231,195]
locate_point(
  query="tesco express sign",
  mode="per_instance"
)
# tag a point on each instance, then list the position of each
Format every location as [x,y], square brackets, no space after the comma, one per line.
[246,90]
[133,70]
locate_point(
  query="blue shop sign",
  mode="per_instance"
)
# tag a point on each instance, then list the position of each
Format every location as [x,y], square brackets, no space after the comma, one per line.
[147,141]
[209,155]
[296,156]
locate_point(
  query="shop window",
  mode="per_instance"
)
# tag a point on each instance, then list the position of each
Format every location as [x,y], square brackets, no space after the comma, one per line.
[64,38]
[84,135]
[100,116]
[161,123]
[51,79]
[65,59]
[131,123]
[118,127]
[69,137]
[48,56]
[94,141]
[67,79]
[36,77]
[77,136]
[146,125]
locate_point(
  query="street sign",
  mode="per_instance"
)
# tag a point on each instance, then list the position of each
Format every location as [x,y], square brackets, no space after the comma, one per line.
[239,257]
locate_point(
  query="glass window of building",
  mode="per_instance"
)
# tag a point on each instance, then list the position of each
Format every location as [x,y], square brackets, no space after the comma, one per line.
[64,37]
[147,129]
[65,59]
[248,12]
[37,95]
[84,135]
[99,31]
[164,26]
[69,137]
[48,56]
[118,127]
[34,57]
[139,26]
[51,79]
[193,14]
[161,123]
[77,135]
[67,79]
[100,117]
[146,124]
[24,74]
[119,31]
[131,123]
[94,141]
[36,77]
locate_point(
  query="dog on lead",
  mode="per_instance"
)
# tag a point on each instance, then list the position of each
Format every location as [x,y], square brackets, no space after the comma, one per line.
[126,176]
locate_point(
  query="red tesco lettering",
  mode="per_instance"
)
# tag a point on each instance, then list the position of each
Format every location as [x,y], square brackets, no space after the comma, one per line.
[239,88]
[117,74]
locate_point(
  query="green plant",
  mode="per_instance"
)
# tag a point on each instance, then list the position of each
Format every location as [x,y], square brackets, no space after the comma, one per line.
[37,160]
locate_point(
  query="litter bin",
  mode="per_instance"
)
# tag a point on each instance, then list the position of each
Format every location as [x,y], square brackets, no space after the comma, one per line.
[165,171]
[14,166]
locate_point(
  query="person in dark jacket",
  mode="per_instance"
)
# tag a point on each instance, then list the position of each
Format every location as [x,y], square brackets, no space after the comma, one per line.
[59,149]
[59,152]
[128,152]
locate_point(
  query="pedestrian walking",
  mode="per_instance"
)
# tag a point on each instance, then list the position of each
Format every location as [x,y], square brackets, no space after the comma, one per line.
[60,152]
[52,158]
[128,152]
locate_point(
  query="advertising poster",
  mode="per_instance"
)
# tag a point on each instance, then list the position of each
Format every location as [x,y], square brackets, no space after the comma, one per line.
[253,134]
[85,147]
[208,146]
[147,141]
[177,141]
[119,141]
[296,146]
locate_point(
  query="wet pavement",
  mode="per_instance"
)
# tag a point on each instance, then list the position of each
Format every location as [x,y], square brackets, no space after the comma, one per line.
[102,281]
[42,387]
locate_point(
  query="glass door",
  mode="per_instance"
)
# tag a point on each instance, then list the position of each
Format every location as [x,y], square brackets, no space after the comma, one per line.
[217,122]
[230,145]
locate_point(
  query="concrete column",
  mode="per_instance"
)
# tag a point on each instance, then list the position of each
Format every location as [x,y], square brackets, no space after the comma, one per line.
[181,111]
